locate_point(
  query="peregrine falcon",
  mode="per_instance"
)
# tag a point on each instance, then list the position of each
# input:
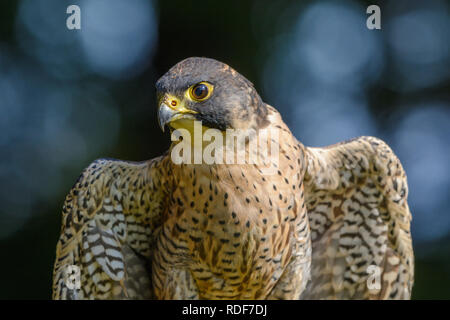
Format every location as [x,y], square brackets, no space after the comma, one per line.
[329,223]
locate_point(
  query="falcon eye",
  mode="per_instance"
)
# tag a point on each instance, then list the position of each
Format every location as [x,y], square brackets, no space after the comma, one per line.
[201,91]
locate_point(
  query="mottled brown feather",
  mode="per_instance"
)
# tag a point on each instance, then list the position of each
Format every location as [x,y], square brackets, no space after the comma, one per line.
[356,196]
[109,222]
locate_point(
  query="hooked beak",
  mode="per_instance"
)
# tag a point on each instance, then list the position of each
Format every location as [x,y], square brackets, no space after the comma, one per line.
[165,114]
[168,114]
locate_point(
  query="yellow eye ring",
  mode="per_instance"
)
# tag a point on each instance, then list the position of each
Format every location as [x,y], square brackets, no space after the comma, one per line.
[201,91]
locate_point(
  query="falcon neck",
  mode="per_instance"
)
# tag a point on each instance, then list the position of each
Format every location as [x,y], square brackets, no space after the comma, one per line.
[231,147]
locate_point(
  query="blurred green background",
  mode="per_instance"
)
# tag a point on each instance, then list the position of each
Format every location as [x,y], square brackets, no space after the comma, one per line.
[68,97]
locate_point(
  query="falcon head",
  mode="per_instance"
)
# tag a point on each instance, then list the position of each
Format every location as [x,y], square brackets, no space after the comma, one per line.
[210,91]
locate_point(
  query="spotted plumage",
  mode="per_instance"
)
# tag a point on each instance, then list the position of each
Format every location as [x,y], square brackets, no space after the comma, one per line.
[161,230]
[356,200]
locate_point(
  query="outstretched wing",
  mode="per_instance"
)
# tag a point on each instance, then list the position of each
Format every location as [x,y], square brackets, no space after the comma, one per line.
[356,195]
[110,218]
